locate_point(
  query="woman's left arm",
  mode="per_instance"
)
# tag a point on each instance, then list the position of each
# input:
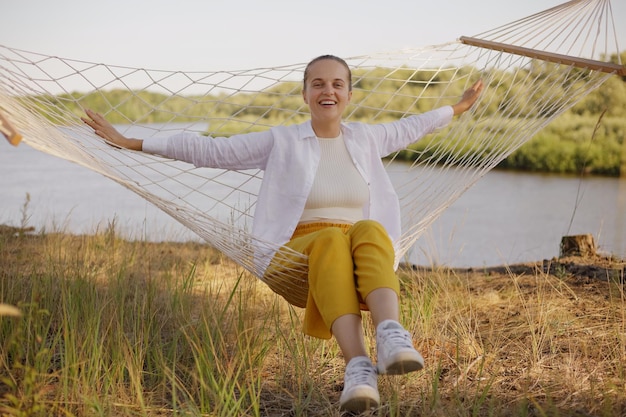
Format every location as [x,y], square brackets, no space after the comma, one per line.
[393,136]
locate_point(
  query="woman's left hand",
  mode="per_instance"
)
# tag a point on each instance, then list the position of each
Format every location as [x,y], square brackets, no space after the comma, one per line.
[469,98]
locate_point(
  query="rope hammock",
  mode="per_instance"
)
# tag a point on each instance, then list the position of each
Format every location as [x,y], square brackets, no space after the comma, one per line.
[534,69]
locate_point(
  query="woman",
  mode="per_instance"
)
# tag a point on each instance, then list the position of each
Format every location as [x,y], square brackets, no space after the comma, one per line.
[325,194]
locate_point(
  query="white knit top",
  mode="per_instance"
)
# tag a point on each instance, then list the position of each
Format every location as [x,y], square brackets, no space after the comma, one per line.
[339,192]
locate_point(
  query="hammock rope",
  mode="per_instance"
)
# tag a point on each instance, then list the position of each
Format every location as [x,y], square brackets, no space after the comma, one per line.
[534,69]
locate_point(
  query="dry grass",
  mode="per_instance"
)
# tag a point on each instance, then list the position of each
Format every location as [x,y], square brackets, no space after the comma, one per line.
[117,328]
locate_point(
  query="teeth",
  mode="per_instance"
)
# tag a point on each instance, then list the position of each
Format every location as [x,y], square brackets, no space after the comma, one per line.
[327,102]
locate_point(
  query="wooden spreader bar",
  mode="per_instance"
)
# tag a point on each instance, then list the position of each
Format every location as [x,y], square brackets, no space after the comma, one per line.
[590,64]
[8,131]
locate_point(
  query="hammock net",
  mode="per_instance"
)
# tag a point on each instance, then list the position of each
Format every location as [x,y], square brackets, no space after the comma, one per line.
[534,69]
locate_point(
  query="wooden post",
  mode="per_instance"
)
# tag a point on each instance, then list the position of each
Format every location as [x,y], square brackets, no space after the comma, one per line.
[578,245]
[589,64]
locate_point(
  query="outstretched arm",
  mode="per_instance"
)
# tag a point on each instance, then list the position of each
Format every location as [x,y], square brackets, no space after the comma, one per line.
[469,98]
[106,131]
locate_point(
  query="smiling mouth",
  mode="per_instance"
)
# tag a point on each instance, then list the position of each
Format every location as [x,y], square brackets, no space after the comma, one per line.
[327,102]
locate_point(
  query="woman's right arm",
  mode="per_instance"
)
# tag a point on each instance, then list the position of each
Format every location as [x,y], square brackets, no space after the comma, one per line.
[106,131]
[243,151]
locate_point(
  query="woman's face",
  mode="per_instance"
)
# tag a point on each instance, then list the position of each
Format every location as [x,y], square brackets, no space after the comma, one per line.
[327,91]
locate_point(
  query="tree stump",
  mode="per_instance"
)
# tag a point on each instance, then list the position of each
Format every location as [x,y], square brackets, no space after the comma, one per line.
[578,245]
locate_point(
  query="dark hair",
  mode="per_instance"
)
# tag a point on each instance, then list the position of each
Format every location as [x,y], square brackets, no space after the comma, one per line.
[332,58]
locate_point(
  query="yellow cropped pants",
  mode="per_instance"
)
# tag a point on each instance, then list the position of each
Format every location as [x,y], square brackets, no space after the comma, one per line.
[345,263]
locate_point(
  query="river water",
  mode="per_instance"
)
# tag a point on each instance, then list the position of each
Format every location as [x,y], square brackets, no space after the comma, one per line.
[505,218]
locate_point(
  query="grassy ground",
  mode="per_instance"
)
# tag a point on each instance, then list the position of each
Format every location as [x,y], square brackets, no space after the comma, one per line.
[115,328]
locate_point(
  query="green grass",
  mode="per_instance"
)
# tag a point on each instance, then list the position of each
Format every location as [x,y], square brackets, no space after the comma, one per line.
[116,328]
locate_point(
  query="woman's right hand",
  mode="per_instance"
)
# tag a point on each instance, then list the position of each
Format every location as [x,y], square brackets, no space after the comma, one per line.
[106,131]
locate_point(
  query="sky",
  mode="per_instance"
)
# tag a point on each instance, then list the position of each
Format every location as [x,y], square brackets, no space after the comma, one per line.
[211,35]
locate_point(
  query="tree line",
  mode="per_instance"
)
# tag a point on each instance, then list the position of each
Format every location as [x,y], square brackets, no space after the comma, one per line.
[589,137]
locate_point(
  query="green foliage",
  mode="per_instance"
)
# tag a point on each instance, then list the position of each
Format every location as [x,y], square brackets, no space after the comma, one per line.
[25,363]
[567,145]
[571,145]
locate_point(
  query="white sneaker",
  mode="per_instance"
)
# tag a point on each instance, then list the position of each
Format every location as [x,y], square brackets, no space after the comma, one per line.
[396,354]
[360,390]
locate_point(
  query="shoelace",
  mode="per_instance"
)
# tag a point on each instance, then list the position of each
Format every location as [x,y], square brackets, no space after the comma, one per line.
[398,337]
[361,374]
